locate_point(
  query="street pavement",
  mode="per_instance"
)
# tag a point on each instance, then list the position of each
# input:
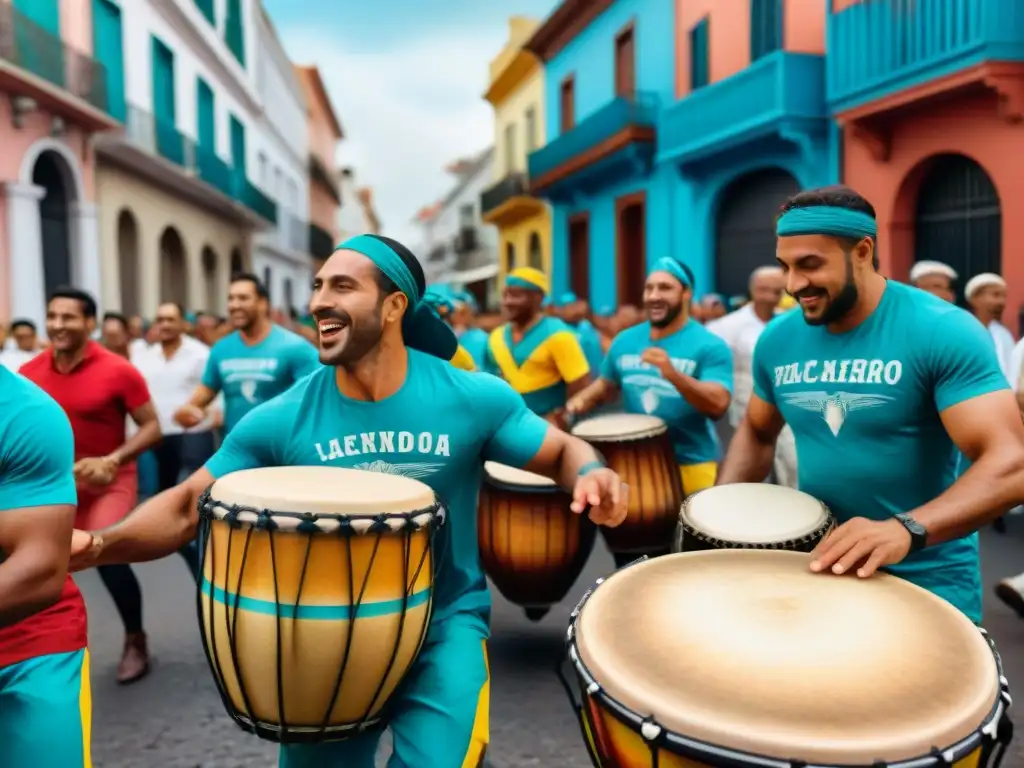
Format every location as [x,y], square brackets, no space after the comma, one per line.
[174,718]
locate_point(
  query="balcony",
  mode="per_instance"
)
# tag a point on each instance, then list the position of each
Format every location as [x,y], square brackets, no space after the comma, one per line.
[319,173]
[159,151]
[509,202]
[778,99]
[615,140]
[38,64]
[878,48]
[321,242]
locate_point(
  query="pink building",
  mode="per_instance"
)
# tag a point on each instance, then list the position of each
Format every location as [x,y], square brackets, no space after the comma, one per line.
[52,98]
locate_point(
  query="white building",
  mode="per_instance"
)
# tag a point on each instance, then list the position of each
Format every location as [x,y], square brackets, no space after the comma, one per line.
[357,215]
[179,192]
[457,247]
[281,255]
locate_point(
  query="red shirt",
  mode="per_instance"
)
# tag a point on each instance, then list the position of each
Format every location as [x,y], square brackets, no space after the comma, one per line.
[97,395]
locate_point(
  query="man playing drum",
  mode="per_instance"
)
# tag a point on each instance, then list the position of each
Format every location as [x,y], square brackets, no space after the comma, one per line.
[671,368]
[538,354]
[387,400]
[880,383]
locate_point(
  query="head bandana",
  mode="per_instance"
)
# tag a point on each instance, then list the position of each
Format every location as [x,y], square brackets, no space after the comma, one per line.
[566,299]
[422,329]
[826,220]
[529,278]
[677,269]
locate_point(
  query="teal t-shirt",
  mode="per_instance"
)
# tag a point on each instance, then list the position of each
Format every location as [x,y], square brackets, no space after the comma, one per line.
[864,408]
[252,374]
[694,351]
[470,419]
[474,341]
[37,447]
[590,341]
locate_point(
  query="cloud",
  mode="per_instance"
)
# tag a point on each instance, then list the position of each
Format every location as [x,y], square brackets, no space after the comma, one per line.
[407,111]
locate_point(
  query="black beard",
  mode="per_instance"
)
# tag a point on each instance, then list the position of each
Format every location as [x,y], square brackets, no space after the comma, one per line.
[363,337]
[840,305]
[670,317]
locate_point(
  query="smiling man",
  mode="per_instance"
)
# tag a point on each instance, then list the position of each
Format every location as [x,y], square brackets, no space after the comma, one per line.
[880,383]
[256,362]
[671,367]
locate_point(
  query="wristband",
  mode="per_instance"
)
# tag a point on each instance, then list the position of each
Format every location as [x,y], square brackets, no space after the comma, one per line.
[589,467]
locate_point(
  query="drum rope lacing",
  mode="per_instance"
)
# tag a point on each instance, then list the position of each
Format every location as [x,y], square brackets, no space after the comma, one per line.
[993,737]
[254,519]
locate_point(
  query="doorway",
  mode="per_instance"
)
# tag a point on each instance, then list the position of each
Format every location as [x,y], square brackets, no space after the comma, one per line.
[50,173]
[579,255]
[128,262]
[630,247]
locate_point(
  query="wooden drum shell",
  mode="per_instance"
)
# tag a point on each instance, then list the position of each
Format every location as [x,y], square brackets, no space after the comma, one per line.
[648,466]
[532,546]
[267,620]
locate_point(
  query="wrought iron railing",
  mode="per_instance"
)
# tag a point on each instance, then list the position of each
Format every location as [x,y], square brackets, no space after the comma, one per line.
[31,47]
[321,243]
[513,185]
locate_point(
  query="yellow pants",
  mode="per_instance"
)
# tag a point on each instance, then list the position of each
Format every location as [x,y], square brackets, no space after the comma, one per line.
[697,477]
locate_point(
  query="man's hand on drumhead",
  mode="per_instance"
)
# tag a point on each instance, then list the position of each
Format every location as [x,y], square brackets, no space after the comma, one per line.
[606,495]
[861,544]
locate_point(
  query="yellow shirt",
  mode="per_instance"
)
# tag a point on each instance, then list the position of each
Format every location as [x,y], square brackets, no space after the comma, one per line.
[463,360]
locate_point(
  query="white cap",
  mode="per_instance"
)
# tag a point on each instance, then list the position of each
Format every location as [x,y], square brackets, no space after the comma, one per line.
[922,268]
[984,280]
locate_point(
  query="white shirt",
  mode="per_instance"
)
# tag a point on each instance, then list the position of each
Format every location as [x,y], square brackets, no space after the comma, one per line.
[13,358]
[137,346]
[740,330]
[172,380]
[1004,349]
[1017,367]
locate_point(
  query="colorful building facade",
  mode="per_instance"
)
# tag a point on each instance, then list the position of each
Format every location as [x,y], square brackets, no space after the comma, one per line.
[932,130]
[516,91]
[55,99]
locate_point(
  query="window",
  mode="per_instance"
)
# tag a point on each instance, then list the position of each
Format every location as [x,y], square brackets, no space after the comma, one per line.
[567,101]
[531,130]
[765,27]
[234,30]
[206,8]
[510,148]
[266,278]
[625,63]
[467,216]
[264,176]
[289,294]
[206,116]
[238,154]
[510,257]
[700,74]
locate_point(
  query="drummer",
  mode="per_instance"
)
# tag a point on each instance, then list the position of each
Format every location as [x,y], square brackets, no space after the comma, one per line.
[670,367]
[877,414]
[384,358]
[444,308]
[538,354]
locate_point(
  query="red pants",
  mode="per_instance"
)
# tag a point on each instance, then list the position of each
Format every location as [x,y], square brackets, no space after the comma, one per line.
[101,506]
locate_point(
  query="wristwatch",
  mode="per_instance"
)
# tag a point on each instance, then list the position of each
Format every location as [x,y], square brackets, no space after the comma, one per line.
[918,533]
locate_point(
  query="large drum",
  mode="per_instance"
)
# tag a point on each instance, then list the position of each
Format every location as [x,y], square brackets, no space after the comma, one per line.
[746,658]
[638,448]
[315,596]
[752,516]
[532,545]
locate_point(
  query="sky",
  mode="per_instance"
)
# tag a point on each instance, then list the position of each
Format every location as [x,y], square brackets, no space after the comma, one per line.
[406,78]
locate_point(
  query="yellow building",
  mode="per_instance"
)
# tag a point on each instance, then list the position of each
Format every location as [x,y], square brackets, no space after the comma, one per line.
[516,92]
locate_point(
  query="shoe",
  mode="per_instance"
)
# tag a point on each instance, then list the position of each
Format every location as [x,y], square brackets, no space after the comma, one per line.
[134,663]
[1009,593]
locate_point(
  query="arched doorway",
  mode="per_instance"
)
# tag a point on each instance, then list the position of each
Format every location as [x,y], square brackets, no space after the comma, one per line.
[958,219]
[237,264]
[51,173]
[745,226]
[510,257]
[536,252]
[128,261]
[173,268]
[211,292]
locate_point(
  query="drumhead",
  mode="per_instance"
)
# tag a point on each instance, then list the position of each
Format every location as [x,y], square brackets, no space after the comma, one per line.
[620,426]
[319,491]
[753,513]
[749,650]
[512,476]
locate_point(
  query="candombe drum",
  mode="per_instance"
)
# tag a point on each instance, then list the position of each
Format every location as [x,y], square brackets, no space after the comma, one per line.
[638,448]
[752,516]
[315,597]
[734,658]
[532,545]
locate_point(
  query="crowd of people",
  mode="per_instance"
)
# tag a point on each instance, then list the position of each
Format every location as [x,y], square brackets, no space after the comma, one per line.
[740,385]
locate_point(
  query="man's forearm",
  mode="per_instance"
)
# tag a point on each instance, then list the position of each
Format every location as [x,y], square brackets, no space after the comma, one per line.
[990,486]
[575,454]
[157,528]
[27,586]
[749,458]
[148,435]
[710,399]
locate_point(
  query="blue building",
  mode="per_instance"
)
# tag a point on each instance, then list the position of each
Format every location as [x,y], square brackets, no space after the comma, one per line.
[670,133]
